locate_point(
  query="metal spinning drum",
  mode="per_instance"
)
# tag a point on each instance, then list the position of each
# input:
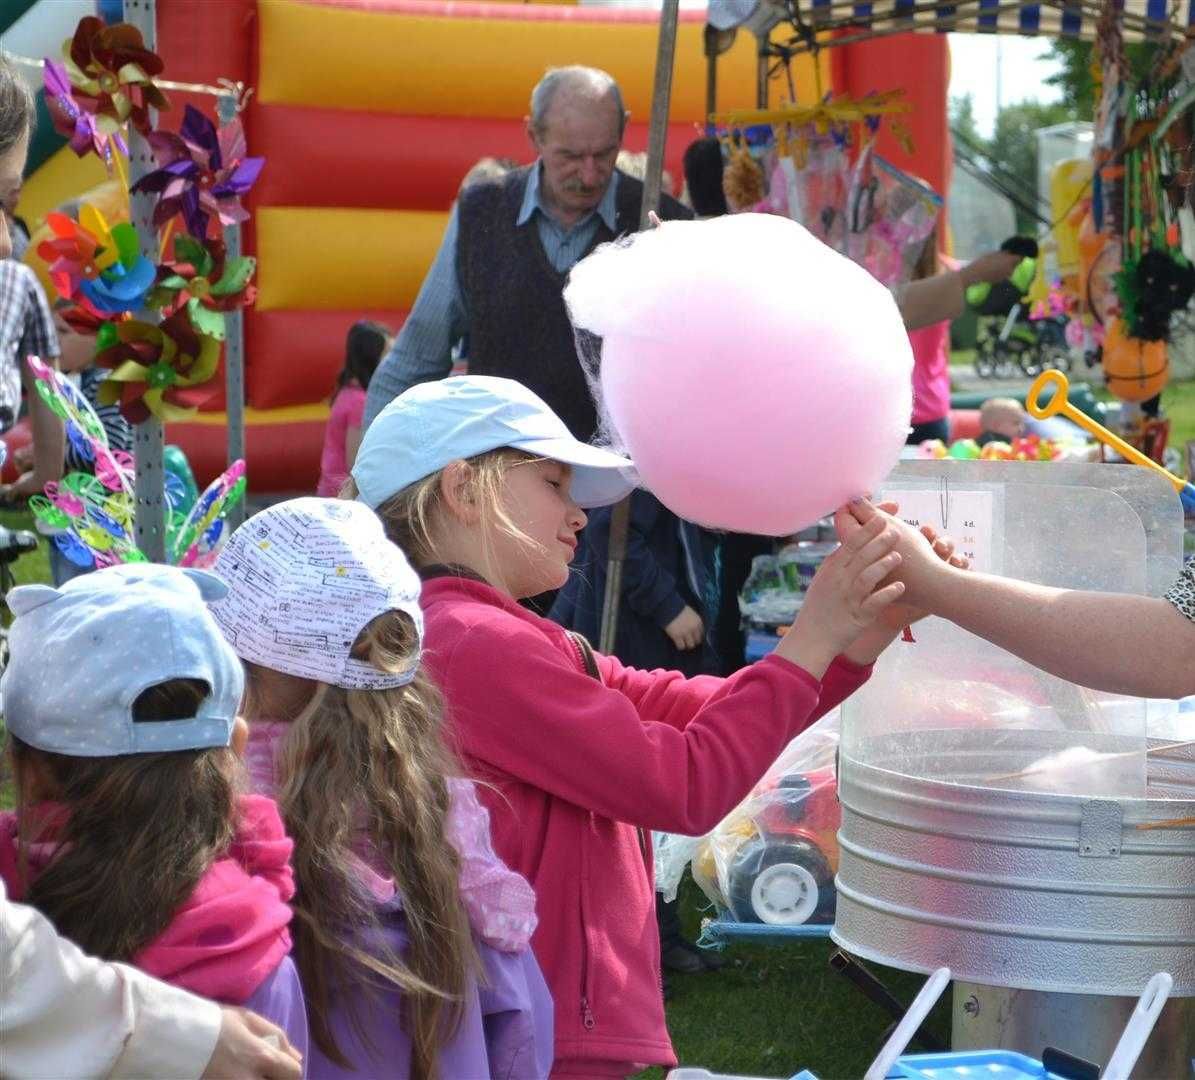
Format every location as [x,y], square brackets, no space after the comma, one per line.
[1030,835]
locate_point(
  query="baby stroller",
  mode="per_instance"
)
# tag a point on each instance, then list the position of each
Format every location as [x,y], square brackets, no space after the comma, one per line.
[1010,343]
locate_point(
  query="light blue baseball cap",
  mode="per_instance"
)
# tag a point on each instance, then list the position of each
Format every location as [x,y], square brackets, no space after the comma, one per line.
[435,423]
[80,655]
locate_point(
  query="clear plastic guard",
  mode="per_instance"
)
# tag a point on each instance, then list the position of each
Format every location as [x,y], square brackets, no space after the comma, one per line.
[950,706]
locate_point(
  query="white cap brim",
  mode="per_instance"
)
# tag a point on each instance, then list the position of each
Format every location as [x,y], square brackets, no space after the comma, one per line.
[600,477]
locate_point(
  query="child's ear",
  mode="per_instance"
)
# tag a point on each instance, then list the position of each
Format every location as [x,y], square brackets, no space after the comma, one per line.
[459,493]
[240,736]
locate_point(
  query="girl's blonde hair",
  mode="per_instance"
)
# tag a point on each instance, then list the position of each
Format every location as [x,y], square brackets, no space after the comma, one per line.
[131,820]
[375,761]
[411,516]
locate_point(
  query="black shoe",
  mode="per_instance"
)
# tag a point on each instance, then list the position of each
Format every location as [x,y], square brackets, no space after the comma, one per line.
[681,959]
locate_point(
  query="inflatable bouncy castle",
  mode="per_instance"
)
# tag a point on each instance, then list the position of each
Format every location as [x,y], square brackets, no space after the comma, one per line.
[369,113]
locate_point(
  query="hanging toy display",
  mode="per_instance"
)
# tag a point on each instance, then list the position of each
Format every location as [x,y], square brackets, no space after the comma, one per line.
[870,211]
[890,216]
[90,515]
[1155,278]
[107,82]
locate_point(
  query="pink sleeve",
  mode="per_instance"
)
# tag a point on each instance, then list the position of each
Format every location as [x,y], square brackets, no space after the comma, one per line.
[501,904]
[669,698]
[647,750]
[353,411]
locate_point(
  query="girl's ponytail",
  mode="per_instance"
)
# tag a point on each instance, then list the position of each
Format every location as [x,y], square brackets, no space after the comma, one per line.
[372,764]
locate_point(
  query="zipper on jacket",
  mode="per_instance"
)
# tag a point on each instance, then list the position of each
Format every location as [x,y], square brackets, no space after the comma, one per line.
[587,1015]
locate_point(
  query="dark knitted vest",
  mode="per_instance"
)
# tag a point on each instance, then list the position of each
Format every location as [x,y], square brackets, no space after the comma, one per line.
[518,327]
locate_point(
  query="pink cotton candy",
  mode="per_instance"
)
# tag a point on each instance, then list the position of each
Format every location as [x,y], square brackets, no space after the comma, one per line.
[757,378]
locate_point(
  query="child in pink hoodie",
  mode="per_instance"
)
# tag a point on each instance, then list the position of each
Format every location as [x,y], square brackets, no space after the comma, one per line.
[121,700]
[481,484]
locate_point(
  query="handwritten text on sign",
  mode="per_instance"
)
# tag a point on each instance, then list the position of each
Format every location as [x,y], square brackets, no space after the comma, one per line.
[967,517]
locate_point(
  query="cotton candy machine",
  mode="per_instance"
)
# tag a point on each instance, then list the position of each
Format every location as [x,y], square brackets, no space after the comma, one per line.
[1025,832]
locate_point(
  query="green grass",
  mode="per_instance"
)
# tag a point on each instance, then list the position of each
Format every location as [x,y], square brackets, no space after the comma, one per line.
[34,567]
[775,1009]
[28,569]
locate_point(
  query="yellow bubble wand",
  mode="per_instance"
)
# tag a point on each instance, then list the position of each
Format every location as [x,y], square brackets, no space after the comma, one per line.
[1058,405]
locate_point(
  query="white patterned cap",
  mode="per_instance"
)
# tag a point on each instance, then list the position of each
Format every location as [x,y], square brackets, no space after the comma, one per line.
[304,578]
[80,655]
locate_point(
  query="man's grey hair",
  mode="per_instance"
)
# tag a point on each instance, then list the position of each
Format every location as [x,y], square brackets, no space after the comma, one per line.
[592,82]
[16,106]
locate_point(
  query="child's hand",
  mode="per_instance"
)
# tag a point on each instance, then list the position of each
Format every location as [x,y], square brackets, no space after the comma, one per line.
[926,557]
[846,595]
[686,631]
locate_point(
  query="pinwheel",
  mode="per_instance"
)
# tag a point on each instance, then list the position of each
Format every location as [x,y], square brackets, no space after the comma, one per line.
[112,74]
[74,123]
[204,281]
[102,264]
[202,175]
[166,371]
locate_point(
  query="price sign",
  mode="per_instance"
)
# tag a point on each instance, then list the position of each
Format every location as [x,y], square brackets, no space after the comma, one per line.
[967,517]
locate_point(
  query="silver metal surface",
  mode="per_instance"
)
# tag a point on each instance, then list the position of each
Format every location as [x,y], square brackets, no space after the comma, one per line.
[234,345]
[996,1018]
[995,883]
[149,516]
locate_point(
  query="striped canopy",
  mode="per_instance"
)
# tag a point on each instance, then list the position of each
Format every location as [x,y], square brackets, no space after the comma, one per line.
[1144,20]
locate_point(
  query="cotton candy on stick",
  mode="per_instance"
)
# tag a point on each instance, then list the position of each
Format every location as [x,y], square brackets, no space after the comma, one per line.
[757,378]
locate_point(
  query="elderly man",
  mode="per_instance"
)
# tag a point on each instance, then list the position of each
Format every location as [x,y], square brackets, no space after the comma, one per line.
[510,243]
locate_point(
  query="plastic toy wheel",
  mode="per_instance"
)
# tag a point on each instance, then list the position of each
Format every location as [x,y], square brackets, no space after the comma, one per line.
[781,884]
[985,360]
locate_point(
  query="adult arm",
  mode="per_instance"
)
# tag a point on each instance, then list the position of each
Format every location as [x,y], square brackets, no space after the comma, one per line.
[1123,644]
[936,299]
[422,352]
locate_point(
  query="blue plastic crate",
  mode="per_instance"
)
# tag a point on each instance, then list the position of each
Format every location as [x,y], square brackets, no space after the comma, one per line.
[971,1065]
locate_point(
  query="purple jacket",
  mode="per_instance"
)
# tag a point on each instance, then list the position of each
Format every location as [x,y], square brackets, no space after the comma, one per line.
[505,1031]
[280,1000]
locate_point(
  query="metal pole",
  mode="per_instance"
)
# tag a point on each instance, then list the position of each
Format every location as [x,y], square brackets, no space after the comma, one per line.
[234,344]
[711,73]
[149,487]
[762,63]
[657,138]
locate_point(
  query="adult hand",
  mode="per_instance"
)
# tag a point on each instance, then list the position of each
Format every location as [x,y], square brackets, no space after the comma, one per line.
[687,631]
[250,1048]
[896,617]
[992,267]
[927,559]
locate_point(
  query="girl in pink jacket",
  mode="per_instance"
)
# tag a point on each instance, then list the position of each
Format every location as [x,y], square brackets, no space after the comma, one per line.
[578,756]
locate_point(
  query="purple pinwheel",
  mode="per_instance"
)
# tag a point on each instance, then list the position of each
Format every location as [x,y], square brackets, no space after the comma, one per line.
[74,123]
[202,173]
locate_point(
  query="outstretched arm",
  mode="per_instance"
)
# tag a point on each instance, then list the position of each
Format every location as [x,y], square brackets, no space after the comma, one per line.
[935,299]
[1115,642]
[1120,643]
